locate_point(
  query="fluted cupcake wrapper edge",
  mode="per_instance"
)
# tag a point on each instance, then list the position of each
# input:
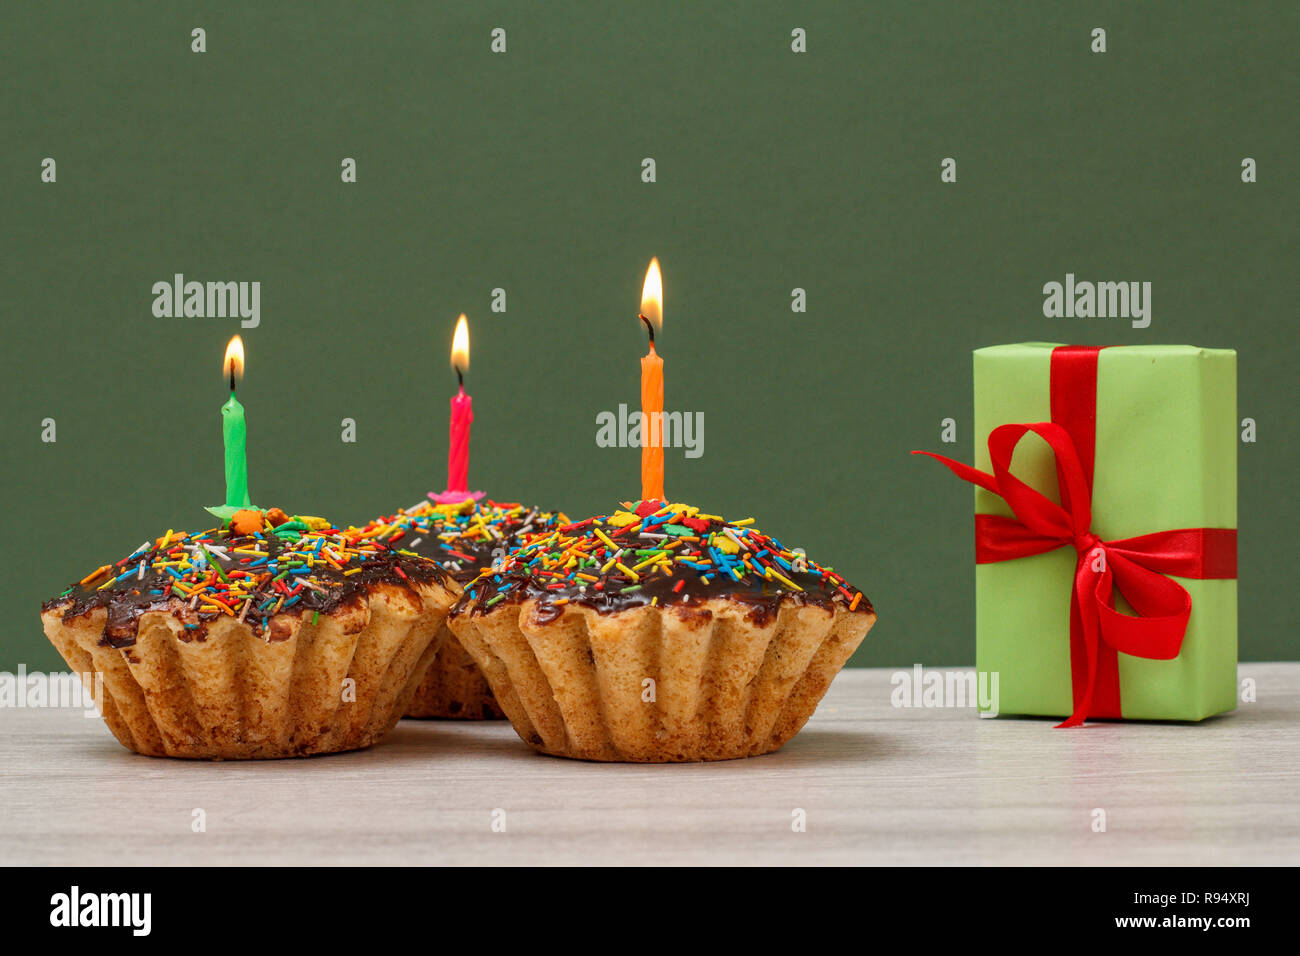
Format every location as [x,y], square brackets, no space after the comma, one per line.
[660,684]
[453,687]
[338,682]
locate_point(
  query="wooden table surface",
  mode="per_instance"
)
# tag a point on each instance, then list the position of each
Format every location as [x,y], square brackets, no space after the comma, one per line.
[878,784]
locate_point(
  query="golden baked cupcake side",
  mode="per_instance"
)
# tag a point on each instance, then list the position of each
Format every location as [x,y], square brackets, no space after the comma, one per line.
[464,538]
[234,643]
[659,634]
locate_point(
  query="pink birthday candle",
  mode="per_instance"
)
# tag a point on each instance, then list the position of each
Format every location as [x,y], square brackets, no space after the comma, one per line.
[462,416]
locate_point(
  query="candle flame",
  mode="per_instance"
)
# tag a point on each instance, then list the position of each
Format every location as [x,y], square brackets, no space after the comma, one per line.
[232,366]
[652,295]
[460,346]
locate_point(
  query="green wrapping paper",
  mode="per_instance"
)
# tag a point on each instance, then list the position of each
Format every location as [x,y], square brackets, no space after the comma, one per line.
[1166,458]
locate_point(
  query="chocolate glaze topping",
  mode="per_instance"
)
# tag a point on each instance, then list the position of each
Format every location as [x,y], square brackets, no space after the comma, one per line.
[657,554]
[294,569]
[464,538]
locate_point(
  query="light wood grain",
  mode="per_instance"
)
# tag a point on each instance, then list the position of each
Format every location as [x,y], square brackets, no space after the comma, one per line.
[880,785]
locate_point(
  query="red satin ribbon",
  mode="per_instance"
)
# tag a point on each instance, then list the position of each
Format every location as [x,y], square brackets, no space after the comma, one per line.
[1136,567]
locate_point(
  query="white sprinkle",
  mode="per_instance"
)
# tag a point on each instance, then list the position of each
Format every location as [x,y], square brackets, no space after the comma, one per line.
[140,576]
[415,542]
[732,535]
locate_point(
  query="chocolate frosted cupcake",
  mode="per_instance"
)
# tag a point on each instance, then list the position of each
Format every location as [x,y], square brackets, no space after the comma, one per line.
[269,637]
[465,538]
[659,634]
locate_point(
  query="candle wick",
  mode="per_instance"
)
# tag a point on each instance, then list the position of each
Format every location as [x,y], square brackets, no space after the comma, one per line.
[649,327]
[460,378]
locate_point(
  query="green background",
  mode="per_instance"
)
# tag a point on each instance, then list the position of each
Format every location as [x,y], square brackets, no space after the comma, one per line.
[477,170]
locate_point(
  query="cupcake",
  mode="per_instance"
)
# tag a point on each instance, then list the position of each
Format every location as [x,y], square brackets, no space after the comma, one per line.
[267,637]
[659,634]
[465,538]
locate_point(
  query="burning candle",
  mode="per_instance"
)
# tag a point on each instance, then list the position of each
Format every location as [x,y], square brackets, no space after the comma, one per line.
[462,416]
[234,430]
[652,389]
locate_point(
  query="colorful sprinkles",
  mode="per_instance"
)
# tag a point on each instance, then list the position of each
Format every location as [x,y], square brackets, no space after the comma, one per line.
[249,577]
[655,553]
[464,538]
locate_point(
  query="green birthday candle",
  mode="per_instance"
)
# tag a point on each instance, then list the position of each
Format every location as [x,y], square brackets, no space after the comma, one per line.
[234,433]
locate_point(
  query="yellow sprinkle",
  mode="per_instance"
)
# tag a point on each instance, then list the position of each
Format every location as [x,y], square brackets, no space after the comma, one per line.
[784,580]
[742,522]
[601,535]
[628,571]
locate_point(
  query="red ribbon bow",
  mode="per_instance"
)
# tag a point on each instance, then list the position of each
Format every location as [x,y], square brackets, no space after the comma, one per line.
[1136,567]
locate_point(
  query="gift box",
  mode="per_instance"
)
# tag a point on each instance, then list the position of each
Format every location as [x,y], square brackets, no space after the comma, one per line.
[1106,513]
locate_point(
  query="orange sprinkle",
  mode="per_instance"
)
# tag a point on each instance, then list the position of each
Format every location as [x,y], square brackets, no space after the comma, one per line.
[211,598]
[90,577]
